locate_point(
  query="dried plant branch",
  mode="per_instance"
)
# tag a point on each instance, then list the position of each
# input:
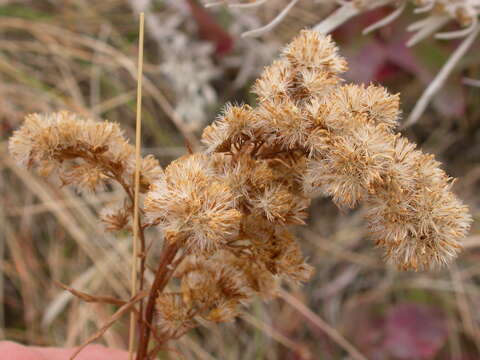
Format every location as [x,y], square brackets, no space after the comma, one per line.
[161,279]
[90,298]
[272,24]
[471,82]
[118,314]
[277,335]
[322,325]
[386,20]
[441,77]
[248,5]
[226,212]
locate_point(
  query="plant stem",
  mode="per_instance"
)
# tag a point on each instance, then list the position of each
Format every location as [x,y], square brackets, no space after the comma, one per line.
[141,235]
[161,278]
[143,256]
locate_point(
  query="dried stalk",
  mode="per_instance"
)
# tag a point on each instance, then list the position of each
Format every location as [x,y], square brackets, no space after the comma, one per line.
[136,218]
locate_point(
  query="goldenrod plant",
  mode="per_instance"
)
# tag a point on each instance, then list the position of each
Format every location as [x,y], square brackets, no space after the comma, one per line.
[226,213]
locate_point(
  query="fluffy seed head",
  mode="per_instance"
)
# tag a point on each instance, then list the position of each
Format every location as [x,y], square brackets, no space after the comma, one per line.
[228,208]
[350,166]
[81,152]
[311,50]
[192,206]
[235,126]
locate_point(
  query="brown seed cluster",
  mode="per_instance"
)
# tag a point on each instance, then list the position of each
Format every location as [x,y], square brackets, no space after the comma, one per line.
[229,209]
[83,153]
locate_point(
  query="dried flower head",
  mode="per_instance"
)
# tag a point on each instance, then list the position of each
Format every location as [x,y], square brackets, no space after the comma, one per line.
[192,206]
[225,212]
[116,217]
[174,317]
[316,52]
[81,152]
[340,140]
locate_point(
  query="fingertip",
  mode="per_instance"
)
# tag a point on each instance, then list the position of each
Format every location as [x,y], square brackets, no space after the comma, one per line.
[10,350]
[100,352]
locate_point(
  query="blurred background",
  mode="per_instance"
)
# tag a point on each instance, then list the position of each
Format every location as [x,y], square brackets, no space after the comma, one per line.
[80,55]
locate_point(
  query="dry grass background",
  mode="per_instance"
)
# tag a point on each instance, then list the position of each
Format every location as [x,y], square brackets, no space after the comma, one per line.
[81,55]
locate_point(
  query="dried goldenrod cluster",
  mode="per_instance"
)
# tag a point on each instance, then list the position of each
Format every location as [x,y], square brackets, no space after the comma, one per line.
[226,212]
[338,140]
[83,153]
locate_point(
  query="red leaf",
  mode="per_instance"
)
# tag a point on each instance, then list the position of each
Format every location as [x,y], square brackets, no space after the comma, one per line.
[414,331]
[367,62]
[210,30]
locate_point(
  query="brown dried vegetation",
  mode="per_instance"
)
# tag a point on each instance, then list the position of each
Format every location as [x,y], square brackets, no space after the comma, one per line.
[226,212]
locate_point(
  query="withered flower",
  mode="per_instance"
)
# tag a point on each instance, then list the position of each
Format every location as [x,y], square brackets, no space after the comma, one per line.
[225,212]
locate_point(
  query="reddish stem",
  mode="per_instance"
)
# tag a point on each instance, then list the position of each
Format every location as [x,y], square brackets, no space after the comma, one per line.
[161,278]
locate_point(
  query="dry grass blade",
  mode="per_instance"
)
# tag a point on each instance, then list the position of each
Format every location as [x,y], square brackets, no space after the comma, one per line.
[68,221]
[107,55]
[136,225]
[462,298]
[2,254]
[197,349]
[471,82]
[338,17]
[153,353]
[442,76]
[321,324]
[55,307]
[90,298]
[117,315]
[300,350]
[273,23]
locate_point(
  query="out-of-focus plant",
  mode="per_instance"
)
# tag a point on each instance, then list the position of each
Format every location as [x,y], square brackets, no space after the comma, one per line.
[186,62]
[195,54]
[225,213]
[438,13]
